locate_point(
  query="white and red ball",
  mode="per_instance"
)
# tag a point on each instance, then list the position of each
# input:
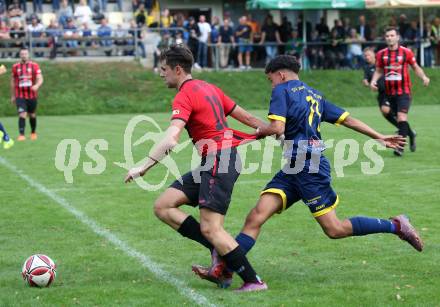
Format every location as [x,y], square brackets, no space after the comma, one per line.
[39,271]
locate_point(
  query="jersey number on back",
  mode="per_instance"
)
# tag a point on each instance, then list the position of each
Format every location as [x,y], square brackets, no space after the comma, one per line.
[314,108]
[219,114]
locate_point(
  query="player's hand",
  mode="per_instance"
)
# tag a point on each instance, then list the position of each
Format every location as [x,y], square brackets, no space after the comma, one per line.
[34,88]
[426,81]
[373,86]
[134,173]
[393,141]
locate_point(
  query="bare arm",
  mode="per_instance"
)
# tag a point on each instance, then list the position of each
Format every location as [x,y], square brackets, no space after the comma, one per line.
[421,74]
[160,150]
[247,118]
[263,37]
[12,90]
[38,83]
[393,141]
[376,76]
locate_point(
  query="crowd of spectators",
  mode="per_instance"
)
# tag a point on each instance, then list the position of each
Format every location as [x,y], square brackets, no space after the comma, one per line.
[246,41]
[214,42]
[73,26]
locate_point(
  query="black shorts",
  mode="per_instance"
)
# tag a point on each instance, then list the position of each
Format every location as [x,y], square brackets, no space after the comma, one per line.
[211,184]
[26,105]
[400,103]
[382,100]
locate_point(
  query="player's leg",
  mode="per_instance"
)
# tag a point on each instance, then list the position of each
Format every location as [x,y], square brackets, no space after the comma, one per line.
[4,137]
[22,114]
[335,228]
[32,111]
[403,105]
[385,108]
[166,208]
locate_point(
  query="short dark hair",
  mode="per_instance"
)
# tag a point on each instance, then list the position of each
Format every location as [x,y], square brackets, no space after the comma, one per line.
[288,62]
[369,49]
[178,55]
[391,28]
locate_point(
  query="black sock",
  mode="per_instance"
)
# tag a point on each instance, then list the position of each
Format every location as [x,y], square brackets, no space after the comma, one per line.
[236,260]
[403,128]
[391,118]
[33,122]
[21,125]
[410,132]
[190,228]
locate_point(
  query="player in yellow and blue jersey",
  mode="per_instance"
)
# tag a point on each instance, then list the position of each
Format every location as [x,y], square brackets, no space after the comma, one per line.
[297,111]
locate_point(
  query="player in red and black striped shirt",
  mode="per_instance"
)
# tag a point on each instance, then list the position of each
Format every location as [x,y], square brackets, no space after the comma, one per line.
[392,62]
[25,82]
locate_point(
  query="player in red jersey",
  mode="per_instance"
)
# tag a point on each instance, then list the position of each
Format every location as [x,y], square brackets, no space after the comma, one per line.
[392,62]
[202,109]
[25,82]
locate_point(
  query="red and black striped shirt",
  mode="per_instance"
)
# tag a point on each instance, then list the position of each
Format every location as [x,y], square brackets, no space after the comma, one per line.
[25,76]
[395,68]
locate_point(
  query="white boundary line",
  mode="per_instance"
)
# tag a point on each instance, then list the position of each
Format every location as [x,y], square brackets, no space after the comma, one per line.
[123,246]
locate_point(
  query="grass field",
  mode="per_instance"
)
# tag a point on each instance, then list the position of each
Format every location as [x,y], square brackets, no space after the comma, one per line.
[300,265]
[97,88]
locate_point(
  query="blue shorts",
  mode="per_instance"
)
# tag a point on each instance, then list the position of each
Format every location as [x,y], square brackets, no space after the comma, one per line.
[313,188]
[244,48]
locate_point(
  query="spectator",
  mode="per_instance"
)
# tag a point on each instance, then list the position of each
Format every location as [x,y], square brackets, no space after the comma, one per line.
[226,38]
[322,29]
[285,31]
[315,51]
[339,29]
[363,29]
[215,30]
[165,19]
[64,13]
[4,34]
[334,51]
[403,24]
[83,13]
[412,36]
[101,7]
[244,39]
[120,40]
[355,57]
[104,31]
[270,36]
[53,32]
[295,45]
[38,6]
[347,27]
[14,12]
[436,34]
[141,15]
[428,39]
[70,35]
[86,32]
[164,43]
[36,30]
[204,39]
[17,33]
[193,41]
[135,31]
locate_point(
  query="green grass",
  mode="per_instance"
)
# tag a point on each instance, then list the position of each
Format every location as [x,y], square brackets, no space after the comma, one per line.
[301,265]
[97,88]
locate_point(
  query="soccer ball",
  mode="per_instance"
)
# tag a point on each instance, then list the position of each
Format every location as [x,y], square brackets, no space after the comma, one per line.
[39,271]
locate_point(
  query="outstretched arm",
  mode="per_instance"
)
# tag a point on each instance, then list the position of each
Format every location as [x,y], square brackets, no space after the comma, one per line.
[275,127]
[390,141]
[247,118]
[159,151]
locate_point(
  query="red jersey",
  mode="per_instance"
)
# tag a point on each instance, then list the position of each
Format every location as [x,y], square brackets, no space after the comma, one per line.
[395,68]
[25,76]
[204,108]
